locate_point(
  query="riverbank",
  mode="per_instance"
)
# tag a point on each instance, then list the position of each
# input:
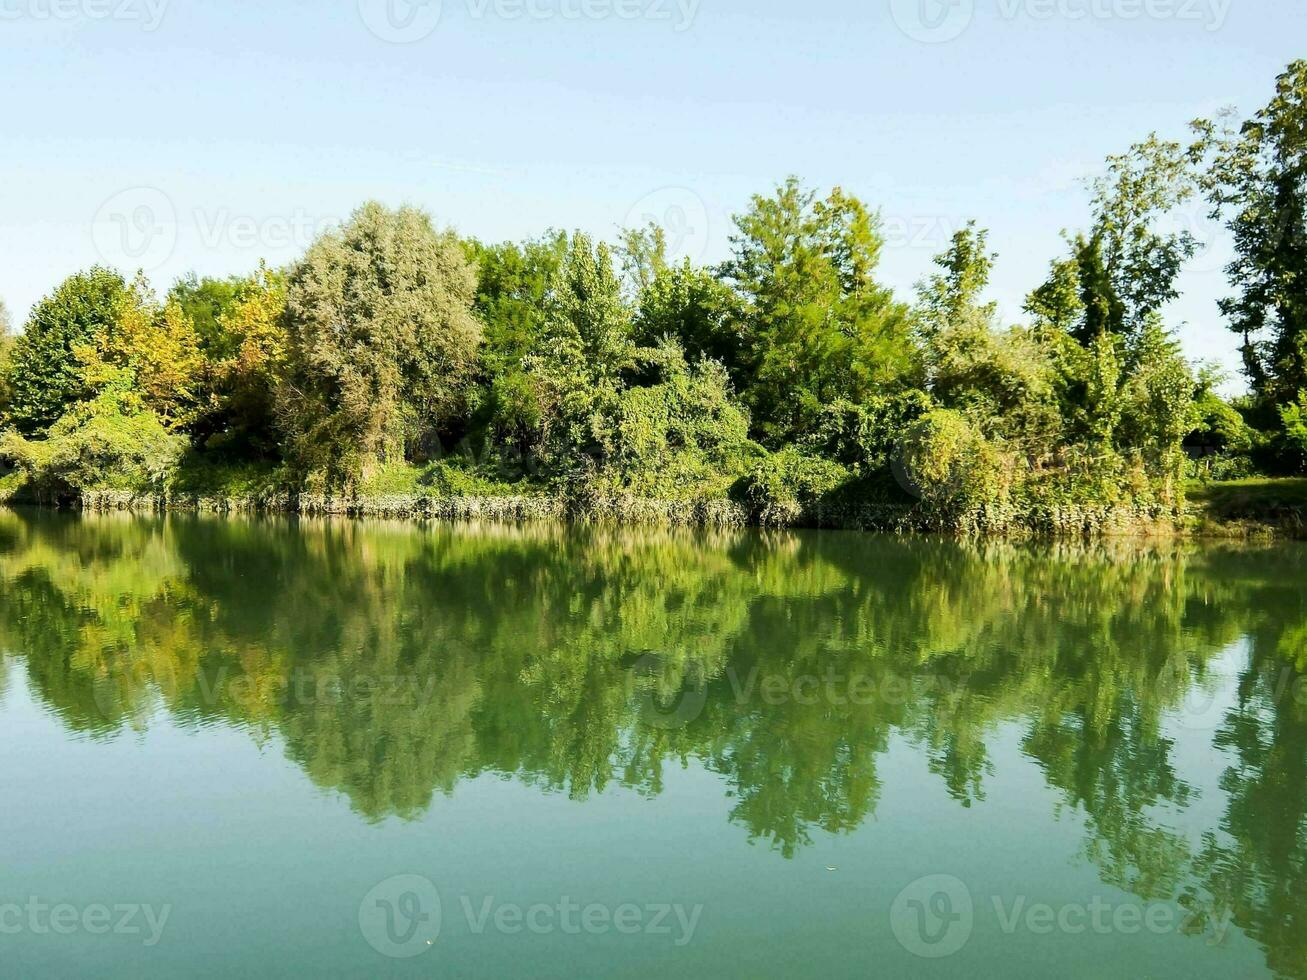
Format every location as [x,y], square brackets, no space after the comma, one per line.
[1233,509]
[1252,507]
[899,518]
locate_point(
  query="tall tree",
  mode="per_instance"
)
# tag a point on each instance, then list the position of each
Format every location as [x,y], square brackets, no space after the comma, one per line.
[45,374]
[1125,268]
[150,349]
[579,364]
[1258,182]
[818,326]
[382,340]
[515,285]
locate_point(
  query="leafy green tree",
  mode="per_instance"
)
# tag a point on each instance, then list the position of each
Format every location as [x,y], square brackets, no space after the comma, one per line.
[951,296]
[1158,400]
[150,349]
[382,341]
[1002,379]
[698,310]
[1141,262]
[204,301]
[514,289]
[818,327]
[45,375]
[245,368]
[682,430]
[1258,181]
[582,360]
[6,353]
[1056,306]
[643,254]
[111,441]
[1125,268]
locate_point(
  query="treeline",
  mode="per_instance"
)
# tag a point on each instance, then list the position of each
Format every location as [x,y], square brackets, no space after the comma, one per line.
[398,356]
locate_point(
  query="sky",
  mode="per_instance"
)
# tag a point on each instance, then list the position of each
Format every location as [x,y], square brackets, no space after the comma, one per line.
[199,135]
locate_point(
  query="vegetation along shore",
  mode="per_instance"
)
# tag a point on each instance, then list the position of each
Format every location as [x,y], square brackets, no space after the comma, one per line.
[398,368]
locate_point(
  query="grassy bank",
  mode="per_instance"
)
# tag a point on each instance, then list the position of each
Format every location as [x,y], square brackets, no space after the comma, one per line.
[1251,507]
[441,491]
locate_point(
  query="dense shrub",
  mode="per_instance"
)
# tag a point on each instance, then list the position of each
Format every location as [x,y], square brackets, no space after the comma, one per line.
[784,486]
[111,442]
[951,466]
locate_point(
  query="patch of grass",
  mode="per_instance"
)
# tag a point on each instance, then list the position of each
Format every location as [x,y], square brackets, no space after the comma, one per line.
[196,476]
[1252,505]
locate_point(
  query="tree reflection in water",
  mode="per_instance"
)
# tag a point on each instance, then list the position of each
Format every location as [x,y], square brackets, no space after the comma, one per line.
[393,661]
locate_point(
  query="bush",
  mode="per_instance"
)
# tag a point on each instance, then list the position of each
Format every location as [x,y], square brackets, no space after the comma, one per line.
[951,466]
[110,443]
[864,436]
[785,485]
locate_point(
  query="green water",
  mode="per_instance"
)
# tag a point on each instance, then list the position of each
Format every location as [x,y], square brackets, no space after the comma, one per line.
[361,749]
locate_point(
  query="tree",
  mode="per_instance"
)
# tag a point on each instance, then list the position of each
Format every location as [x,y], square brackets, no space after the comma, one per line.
[579,364]
[154,350]
[818,325]
[643,253]
[45,375]
[1124,269]
[952,295]
[1258,182]
[6,353]
[110,441]
[1057,306]
[382,341]
[251,329]
[1002,379]
[698,310]
[1141,263]
[1158,400]
[514,289]
[204,301]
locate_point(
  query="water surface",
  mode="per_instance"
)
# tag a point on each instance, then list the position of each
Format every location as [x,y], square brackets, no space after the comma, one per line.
[370,749]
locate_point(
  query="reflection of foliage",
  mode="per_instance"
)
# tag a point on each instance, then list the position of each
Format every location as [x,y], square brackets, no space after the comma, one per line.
[393,662]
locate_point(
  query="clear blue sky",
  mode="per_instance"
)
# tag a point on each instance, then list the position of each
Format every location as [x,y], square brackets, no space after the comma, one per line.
[198,134]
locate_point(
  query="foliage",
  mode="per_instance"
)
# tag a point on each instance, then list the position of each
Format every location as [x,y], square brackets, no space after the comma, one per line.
[581,361]
[1258,181]
[819,327]
[514,285]
[864,437]
[204,301]
[397,360]
[782,486]
[382,341]
[1003,380]
[1140,262]
[109,442]
[240,415]
[148,349]
[698,310]
[950,464]
[1294,417]
[681,431]
[45,374]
